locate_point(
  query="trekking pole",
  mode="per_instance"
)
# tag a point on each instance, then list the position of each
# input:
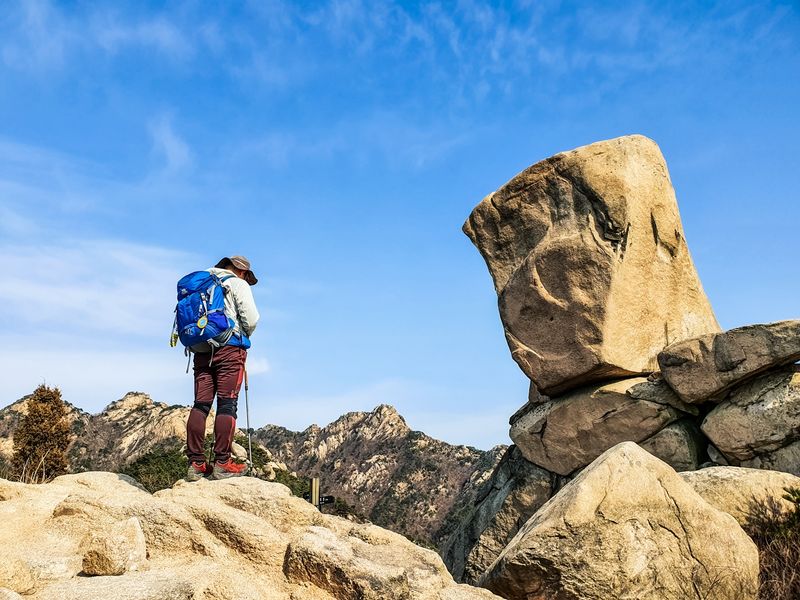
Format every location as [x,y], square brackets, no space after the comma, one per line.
[247,412]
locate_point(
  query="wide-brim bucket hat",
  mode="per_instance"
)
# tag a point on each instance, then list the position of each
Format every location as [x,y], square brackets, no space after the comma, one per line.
[240,262]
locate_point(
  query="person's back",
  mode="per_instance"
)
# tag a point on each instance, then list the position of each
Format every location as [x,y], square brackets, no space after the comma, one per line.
[219,372]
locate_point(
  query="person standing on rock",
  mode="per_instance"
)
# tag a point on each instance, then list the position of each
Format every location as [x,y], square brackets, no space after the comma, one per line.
[220,373]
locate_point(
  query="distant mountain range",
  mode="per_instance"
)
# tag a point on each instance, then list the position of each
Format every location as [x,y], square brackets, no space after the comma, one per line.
[398,478]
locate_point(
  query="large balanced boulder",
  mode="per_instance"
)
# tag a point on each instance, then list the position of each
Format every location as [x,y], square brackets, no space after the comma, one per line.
[760,422]
[515,491]
[742,493]
[590,264]
[628,526]
[242,539]
[569,432]
[704,368]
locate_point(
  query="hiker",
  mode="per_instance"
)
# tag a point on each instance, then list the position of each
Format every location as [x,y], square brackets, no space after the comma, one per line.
[219,371]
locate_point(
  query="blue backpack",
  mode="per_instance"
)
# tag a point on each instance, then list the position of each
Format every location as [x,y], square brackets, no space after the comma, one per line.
[200,314]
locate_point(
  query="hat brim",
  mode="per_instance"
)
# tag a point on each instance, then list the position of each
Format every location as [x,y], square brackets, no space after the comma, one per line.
[226,263]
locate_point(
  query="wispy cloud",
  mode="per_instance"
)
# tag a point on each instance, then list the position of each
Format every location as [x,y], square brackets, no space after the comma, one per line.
[113,33]
[168,145]
[90,288]
[44,35]
[402,141]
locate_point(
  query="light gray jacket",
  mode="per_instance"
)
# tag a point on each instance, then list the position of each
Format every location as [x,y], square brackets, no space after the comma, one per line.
[239,302]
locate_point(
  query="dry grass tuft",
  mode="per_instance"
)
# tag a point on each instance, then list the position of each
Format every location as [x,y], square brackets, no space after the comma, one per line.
[776,532]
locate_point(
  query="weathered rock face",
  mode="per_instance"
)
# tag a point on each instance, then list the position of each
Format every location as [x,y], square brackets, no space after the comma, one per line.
[705,367]
[680,445]
[569,432]
[263,543]
[116,550]
[398,478]
[512,495]
[758,419]
[627,527]
[785,459]
[739,491]
[588,257]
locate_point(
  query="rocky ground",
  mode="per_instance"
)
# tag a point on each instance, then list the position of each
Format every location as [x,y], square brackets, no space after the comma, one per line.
[98,535]
[397,478]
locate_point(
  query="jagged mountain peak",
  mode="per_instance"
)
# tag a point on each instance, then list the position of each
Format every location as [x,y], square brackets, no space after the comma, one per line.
[388,472]
[131,401]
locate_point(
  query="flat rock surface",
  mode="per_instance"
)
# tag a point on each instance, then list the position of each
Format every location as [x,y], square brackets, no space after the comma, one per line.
[242,539]
[706,367]
[590,264]
[740,491]
[569,432]
[627,527]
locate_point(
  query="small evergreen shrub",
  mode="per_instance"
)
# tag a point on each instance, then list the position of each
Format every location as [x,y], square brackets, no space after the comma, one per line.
[159,468]
[41,438]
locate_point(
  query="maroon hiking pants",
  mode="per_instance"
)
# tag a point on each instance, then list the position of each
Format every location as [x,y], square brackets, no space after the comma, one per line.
[223,378]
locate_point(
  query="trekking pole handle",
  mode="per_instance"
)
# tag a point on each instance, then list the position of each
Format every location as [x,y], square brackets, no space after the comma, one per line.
[246,387]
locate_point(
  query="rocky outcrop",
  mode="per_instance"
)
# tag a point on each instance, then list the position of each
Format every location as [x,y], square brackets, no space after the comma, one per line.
[705,367]
[681,445]
[627,527]
[760,421]
[596,289]
[589,261]
[741,492]
[502,505]
[569,432]
[398,478]
[263,543]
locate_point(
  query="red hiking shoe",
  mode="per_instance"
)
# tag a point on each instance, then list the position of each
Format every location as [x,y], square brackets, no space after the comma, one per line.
[198,470]
[228,469]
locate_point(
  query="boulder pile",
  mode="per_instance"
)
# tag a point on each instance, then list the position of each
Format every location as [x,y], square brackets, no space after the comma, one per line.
[604,312]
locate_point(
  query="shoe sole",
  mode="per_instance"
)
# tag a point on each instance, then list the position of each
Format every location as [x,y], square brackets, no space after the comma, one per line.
[193,476]
[228,475]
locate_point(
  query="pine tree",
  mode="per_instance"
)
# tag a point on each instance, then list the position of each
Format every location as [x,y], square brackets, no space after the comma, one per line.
[41,438]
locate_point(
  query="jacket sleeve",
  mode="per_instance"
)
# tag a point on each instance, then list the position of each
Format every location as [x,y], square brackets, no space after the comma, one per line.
[245,307]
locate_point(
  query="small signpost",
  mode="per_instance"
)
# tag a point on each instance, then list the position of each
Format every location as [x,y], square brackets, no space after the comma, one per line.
[314,497]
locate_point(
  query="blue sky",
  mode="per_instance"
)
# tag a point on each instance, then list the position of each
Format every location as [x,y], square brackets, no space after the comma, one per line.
[340,145]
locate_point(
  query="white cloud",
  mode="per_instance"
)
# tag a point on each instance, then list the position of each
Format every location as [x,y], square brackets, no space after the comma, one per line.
[42,37]
[91,373]
[87,289]
[94,318]
[114,33]
[47,36]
